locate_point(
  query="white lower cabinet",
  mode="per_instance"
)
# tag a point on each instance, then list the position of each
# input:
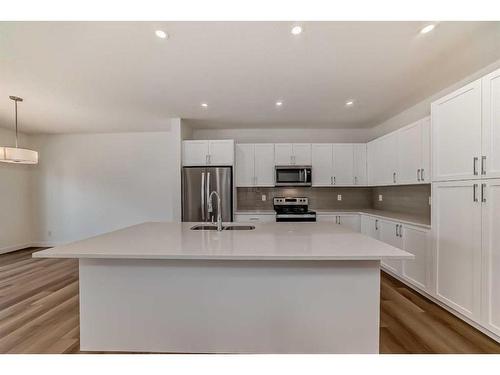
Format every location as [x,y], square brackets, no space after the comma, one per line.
[255,218]
[456,226]
[369,226]
[390,234]
[490,309]
[351,221]
[417,242]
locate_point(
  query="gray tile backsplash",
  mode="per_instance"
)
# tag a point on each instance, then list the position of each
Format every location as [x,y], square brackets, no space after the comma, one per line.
[411,199]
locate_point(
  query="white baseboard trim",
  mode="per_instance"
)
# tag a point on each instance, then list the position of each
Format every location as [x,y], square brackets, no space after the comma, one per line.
[467,320]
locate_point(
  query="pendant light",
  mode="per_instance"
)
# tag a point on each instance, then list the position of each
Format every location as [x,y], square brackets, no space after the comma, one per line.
[16,154]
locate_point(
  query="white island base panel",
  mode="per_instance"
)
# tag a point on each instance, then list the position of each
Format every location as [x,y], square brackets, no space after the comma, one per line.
[214,306]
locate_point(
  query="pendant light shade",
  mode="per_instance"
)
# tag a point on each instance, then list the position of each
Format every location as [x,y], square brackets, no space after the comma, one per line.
[16,154]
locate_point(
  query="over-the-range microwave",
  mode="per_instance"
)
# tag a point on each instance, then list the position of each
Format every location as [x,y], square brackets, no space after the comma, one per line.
[293,175]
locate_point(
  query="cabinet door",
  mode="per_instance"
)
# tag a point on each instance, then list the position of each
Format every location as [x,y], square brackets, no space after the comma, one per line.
[302,153]
[264,164]
[327,218]
[409,154]
[456,134]
[426,172]
[343,164]
[360,176]
[245,175]
[387,159]
[194,153]
[322,164]
[283,154]
[352,222]
[388,234]
[369,226]
[417,242]
[372,162]
[221,152]
[491,255]
[456,225]
[491,125]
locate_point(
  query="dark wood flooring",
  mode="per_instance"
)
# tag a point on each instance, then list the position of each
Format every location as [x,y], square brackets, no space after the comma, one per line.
[39,313]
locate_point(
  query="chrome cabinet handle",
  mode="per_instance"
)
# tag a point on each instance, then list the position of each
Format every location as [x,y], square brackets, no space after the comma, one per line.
[422,178]
[394,177]
[418,174]
[474,165]
[376,224]
[483,195]
[334,182]
[483,165]
[339,220]
[474,193]
[400,231]
[331,180]
[355,180]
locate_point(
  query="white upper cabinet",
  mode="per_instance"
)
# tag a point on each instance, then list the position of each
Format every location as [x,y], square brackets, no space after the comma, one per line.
[322,164]
[491,255]
[283,154]
[245,165]
[194,153]
[264,164]
[414,153]
[254,164]
[456,134]
[343,164]
[387,160]
[302,153]
[211,152]
[221,152]
[292,153]
[490,158]
[456,225]
[360,175]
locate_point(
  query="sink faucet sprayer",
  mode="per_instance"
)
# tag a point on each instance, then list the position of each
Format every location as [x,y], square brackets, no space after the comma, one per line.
[211,209]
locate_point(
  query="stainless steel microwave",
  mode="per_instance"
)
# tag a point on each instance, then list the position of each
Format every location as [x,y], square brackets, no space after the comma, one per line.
[293,175]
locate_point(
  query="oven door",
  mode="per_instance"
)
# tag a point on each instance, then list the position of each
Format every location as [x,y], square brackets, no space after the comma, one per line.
[293,176]
[295,217]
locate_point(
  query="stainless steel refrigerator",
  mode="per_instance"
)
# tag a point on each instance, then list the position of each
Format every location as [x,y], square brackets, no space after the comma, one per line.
[197,184]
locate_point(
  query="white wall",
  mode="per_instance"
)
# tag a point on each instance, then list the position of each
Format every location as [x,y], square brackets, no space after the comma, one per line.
[274,135]
[16,216]
[423,109]
[88,184]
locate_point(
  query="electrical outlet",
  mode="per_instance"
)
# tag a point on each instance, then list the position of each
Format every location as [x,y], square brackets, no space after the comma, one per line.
[264,197]
[380,198]
[339,197]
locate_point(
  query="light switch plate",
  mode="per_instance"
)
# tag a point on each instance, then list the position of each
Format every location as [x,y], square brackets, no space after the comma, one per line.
[339,197]
[380,197]
[264,197]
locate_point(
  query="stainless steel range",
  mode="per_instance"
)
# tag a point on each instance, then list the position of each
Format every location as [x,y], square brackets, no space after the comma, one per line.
[293,209]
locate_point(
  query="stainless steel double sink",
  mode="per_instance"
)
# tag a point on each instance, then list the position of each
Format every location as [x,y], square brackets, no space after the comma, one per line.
[226,227]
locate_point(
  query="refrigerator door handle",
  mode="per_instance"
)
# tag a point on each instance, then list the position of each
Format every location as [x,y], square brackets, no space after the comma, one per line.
[208,193]
[202,195]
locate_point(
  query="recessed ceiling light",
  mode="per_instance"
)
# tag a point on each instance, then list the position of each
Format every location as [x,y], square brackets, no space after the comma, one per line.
[427,29]
[161,34]
[296,30]
[349,103]
[204,105]
[279,103]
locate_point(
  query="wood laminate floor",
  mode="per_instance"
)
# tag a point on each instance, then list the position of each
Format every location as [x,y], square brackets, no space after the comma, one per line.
[39,313]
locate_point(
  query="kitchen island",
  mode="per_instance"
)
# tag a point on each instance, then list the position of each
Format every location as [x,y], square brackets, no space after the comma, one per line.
[279,288]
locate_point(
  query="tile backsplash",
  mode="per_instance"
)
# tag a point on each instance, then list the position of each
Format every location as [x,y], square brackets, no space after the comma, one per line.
[411,199]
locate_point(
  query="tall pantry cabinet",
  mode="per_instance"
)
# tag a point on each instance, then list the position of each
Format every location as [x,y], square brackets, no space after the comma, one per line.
[466,200]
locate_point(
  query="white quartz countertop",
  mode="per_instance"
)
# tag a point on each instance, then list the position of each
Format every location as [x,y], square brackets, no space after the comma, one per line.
[268,241]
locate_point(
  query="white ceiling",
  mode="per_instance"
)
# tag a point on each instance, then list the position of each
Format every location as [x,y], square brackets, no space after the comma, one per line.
[118,76]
